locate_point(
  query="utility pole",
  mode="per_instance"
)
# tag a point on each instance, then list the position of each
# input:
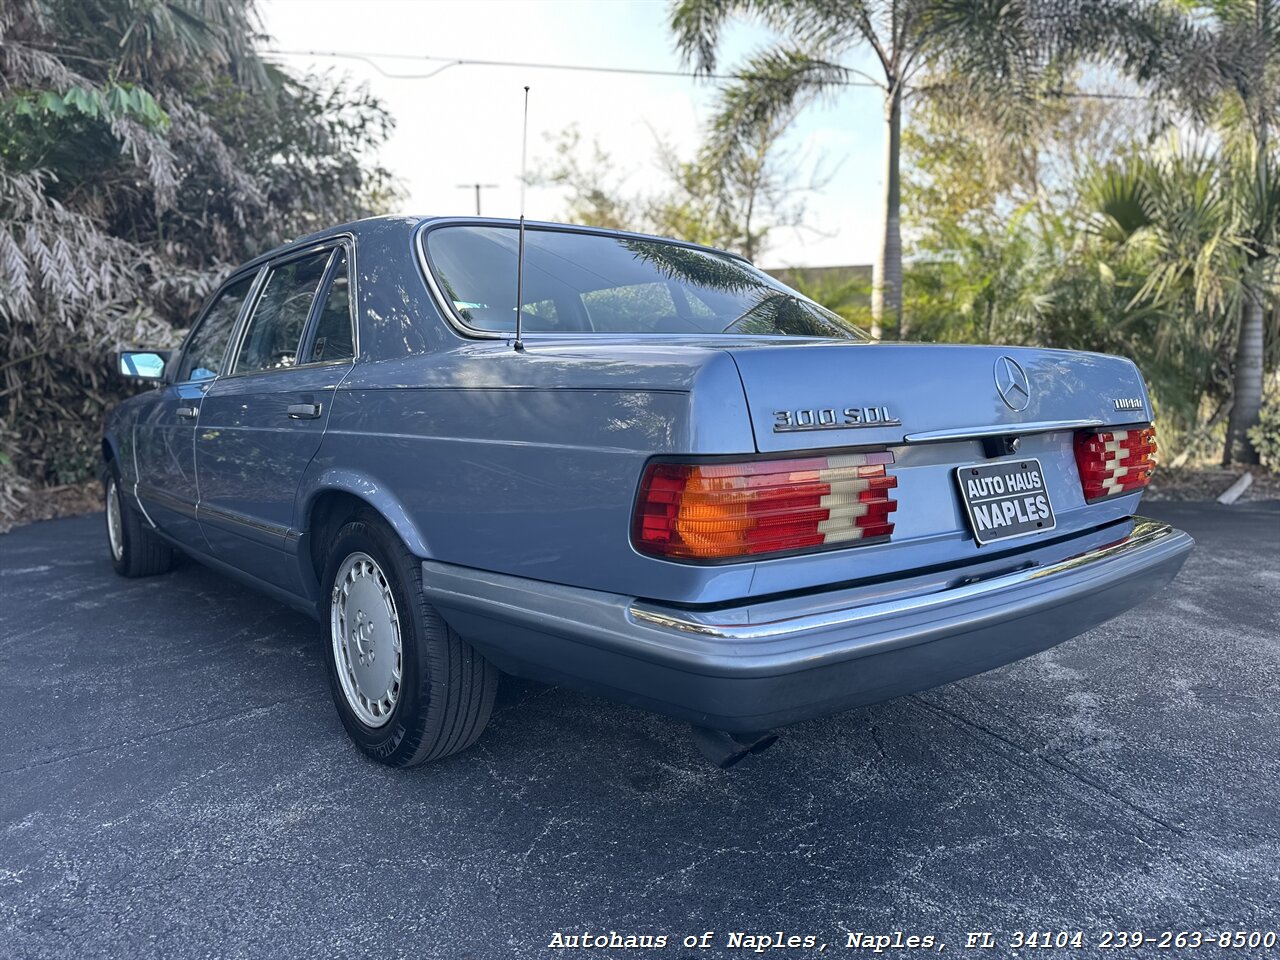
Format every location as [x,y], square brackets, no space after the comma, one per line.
[477,187]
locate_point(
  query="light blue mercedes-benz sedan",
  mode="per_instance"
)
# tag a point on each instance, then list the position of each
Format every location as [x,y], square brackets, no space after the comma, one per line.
[666,478]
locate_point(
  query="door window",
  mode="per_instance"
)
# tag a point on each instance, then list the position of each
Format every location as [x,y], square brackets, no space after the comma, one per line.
[207,345]
[275,330]
[333,339]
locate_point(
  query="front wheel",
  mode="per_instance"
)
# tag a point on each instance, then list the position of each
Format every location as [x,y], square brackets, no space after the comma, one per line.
[407,687]
[136,550]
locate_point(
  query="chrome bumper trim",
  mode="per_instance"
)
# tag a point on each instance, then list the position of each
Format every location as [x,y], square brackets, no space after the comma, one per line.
[1146,535]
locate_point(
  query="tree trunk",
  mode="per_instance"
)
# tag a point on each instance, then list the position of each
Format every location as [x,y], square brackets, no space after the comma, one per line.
[886,282]
[1247,387]
[748,241]
[1246,390]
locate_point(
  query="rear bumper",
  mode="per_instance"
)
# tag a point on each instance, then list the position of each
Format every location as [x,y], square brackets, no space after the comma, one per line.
[770,663]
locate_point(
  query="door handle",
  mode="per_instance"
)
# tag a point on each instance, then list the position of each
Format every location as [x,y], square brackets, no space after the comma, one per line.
[304,411]
[188,413]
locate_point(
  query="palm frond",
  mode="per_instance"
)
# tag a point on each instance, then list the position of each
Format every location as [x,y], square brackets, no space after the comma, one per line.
[813,24]
[773,84]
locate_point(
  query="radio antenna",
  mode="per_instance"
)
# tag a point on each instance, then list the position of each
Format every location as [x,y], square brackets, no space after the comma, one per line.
[524,149]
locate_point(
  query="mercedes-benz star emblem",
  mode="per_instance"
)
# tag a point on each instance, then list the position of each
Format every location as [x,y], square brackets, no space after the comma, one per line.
[1012,383]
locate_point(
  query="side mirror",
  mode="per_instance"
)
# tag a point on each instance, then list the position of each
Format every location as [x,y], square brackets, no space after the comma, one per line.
[143,364]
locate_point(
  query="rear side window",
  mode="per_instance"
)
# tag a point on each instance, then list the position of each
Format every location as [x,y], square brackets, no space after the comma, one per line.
[202,359]
[271,340]
[333,339]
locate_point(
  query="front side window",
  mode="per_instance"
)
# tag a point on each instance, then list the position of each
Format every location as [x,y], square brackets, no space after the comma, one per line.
[207,345]
[599,283]
[275,330]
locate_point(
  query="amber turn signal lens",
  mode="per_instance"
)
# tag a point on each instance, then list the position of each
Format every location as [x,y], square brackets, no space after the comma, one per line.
[716,511]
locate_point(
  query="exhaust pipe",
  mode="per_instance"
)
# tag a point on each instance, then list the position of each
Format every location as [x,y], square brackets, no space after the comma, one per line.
[729,749]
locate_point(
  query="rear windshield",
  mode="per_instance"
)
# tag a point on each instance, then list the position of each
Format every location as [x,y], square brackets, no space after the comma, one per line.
[595,283]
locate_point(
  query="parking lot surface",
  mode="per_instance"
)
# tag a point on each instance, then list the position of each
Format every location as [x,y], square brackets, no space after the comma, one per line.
[174,782]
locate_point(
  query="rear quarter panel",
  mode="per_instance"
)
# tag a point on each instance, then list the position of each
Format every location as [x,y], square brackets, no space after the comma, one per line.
[529,465]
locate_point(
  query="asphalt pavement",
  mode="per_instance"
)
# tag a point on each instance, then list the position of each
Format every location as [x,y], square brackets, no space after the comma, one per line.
[175,783]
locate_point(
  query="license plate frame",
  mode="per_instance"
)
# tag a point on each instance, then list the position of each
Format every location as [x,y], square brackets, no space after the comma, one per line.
[986,511]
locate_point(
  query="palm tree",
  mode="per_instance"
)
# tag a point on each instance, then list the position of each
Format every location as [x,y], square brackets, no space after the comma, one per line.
[1171,228]
[1227,71]
[993,52]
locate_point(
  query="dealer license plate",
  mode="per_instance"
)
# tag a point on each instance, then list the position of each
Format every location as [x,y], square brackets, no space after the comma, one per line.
[1005,500]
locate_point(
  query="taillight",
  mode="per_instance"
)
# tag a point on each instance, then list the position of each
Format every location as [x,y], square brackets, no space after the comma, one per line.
[1113,462]
[714,511]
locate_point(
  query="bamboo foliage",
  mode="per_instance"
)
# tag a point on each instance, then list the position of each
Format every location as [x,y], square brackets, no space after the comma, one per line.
[145,149]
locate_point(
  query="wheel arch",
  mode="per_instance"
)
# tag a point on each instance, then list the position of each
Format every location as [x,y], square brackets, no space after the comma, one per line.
[117,435]
[332,500]
[121,459]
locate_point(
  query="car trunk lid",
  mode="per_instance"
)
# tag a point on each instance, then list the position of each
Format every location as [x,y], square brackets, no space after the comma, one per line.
[940,410]
[819,395]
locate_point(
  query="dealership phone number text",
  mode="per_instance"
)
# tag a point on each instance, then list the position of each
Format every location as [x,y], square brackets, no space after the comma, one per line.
[1132,940]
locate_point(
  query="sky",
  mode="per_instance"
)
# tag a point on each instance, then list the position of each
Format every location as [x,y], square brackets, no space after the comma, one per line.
[463,125]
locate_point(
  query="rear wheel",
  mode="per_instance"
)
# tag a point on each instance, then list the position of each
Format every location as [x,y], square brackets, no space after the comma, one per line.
[407,687]
[136,550]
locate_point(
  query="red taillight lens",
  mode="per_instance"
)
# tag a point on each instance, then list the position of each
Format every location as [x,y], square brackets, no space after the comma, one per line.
[1113,462]
[714,511]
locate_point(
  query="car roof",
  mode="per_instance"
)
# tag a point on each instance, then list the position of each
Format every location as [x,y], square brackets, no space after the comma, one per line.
[410,223]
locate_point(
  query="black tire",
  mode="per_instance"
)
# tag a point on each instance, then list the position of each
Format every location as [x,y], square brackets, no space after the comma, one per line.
[446,688]
[141,552]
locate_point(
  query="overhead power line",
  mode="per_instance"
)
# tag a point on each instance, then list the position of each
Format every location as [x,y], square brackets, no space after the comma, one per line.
[445,63]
